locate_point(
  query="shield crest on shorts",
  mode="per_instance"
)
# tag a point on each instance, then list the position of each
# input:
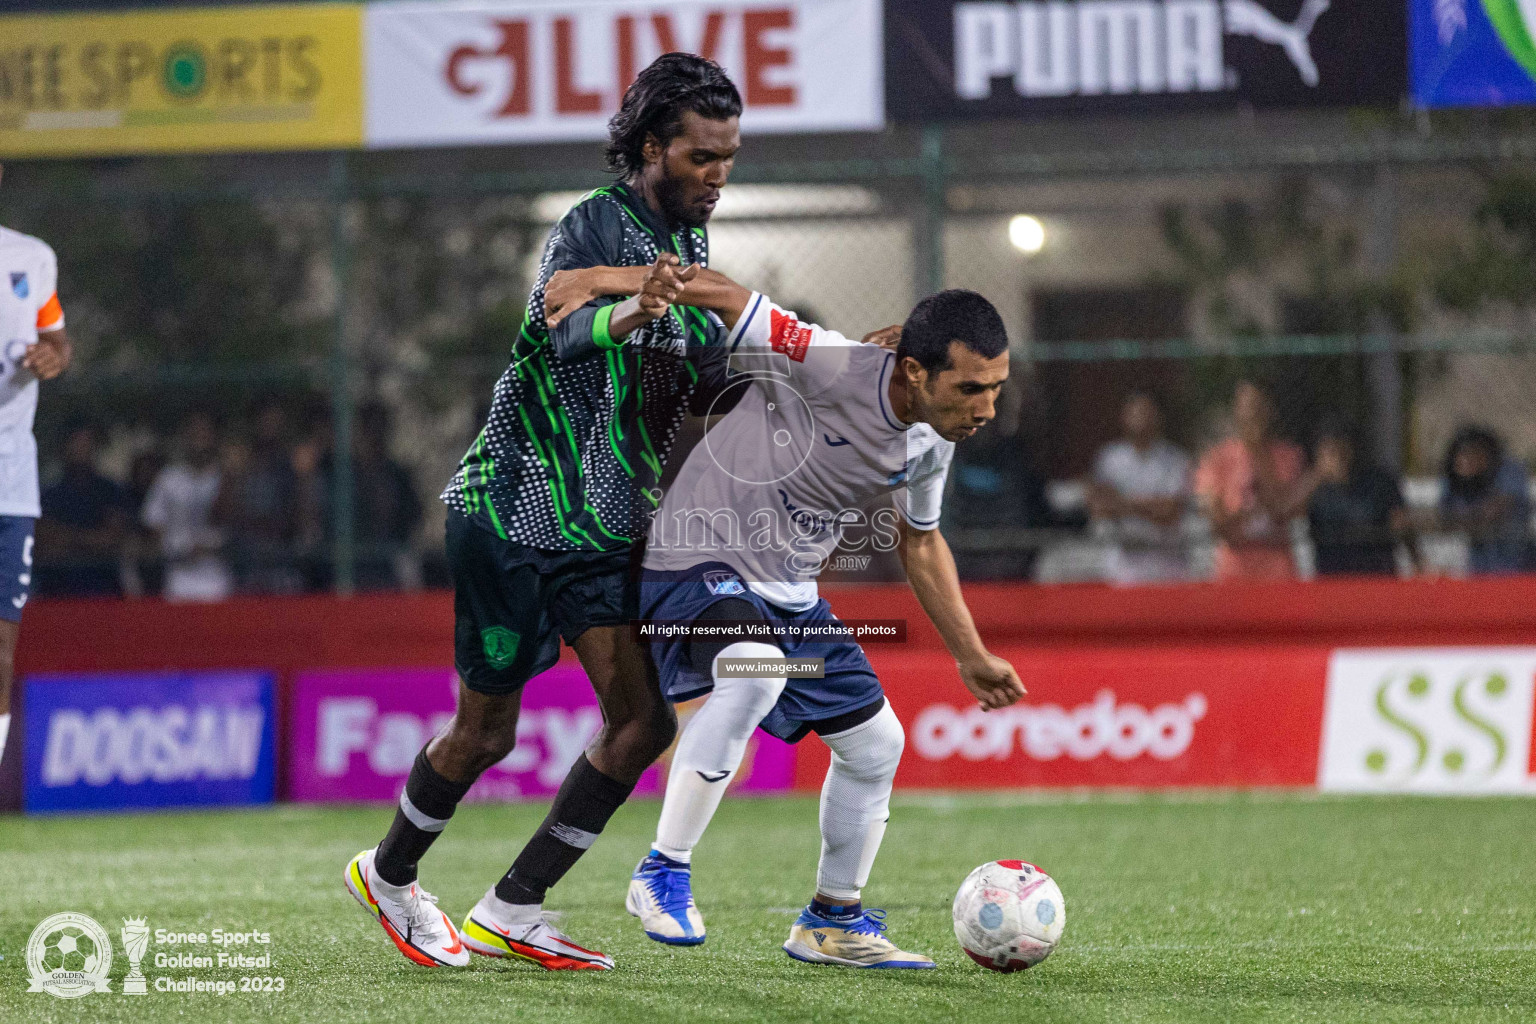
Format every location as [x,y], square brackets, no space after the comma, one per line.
[723,584]
[500,646]
[19,284]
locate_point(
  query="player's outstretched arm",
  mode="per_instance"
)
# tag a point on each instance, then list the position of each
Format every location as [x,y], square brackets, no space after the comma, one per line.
[660,286]
[569,290]
[50,355]
[931,571]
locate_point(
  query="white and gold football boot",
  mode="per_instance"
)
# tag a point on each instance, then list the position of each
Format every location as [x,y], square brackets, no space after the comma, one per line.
[855,941]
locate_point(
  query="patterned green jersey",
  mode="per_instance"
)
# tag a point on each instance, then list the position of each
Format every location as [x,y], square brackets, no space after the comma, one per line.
[580,425]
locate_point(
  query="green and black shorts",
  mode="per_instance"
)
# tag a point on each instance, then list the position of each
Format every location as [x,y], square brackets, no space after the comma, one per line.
[512,603]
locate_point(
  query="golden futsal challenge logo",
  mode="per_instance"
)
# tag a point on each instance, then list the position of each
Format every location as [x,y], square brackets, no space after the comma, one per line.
[69,955]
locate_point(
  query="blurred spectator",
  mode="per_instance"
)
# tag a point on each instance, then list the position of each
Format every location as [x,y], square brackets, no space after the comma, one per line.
[312,469]
[258,504]
[1139,493]
[83,531]
[997,487]
[1250,486]
[142,572]
[179,508]
[1487,496]
[1356,512]
[386,509]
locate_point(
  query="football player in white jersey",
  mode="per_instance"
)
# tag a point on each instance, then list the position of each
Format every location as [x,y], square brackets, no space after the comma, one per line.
[830,434]
[36,348]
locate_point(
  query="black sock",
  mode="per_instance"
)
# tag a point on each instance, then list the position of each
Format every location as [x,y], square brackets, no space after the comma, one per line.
[587,799]
[426,804]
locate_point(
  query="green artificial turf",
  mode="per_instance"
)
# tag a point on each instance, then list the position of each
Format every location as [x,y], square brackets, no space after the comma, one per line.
[1214,907]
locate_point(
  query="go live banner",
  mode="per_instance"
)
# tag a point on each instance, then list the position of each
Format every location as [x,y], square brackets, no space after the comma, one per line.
[232,78]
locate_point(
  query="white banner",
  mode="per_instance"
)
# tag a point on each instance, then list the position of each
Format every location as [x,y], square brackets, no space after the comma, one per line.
[1432,720]
[477,73]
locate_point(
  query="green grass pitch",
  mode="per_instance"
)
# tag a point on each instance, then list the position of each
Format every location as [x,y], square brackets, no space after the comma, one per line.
[1209,907]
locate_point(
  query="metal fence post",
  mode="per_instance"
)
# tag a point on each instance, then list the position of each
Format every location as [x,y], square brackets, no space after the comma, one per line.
[1383,372]
[343,548]
[928,250]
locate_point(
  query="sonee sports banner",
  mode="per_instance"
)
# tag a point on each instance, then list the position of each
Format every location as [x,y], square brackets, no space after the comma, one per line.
[949,59]
[185,80]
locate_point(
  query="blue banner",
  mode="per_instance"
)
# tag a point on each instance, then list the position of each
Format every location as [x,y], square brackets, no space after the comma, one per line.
[97,742]
[1473,53]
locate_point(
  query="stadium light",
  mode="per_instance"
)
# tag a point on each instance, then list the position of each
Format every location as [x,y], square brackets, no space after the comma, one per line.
[1026,233]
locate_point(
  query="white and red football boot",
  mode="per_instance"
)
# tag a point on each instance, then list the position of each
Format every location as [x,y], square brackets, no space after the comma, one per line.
[409,915]
[494,928]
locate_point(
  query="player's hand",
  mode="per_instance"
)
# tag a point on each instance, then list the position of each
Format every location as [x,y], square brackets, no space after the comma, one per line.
[664,284]
[885,337]
[46,358]
[566,292]
[992,681]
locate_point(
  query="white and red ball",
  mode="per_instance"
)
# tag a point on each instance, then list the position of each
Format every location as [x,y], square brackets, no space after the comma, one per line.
[1009,915]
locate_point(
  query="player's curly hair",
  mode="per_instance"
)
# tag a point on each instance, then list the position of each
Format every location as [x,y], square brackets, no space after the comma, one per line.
[654,105]
[956,314]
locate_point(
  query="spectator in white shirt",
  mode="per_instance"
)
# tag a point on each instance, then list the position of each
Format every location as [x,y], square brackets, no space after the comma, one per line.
[1138,496]
[180,509]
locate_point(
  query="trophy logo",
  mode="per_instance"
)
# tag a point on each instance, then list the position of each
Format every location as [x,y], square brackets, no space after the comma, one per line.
[135,940]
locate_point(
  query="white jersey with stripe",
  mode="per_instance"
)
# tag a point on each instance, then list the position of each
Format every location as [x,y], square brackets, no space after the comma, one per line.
[806,459]
[29,305]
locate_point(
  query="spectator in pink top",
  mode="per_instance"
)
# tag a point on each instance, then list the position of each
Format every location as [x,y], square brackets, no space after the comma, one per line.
[1251,486]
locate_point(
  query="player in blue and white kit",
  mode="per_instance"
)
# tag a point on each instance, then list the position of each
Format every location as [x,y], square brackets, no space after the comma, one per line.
[35,348]
[828,434]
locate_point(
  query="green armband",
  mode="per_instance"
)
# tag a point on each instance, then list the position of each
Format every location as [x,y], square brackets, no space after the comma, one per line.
[600,336]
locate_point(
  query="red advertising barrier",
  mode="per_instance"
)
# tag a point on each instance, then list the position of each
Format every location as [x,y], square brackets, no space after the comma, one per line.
[1159,686]
[1106,717]
[294,633]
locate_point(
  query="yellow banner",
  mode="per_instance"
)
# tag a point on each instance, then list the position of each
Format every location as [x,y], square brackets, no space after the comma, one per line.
[187,80]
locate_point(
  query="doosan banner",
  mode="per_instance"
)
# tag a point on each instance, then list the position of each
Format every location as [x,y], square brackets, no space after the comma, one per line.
[457,73]
[113,742]
[354,733]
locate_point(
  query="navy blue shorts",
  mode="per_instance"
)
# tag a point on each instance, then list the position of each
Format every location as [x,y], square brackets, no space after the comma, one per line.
[850,682]
[15,565]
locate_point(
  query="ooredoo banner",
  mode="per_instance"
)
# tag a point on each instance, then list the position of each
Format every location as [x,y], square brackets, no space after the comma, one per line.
[472,73]
[354,733]
[98,742]
[1142,718]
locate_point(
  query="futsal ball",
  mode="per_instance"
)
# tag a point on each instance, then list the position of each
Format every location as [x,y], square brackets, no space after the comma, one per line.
[1009,915]
[69,949]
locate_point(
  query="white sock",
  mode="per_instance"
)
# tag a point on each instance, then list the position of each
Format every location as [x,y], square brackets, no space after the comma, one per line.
[856,802]
[711,749]
[5,728]
[508,914]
